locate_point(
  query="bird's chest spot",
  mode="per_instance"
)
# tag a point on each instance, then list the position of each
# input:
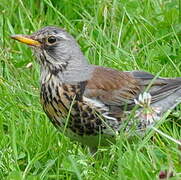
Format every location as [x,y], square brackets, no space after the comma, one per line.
[58,99]
[65,106]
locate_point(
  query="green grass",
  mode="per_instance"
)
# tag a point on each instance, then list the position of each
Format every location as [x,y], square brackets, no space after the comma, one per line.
[122,34]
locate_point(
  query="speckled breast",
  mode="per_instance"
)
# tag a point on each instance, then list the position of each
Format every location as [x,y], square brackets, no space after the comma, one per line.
[63,100]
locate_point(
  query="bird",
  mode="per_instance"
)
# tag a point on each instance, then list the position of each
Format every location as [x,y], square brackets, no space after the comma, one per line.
[89,103]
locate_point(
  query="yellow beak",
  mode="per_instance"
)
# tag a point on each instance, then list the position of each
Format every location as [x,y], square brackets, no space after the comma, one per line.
[26,39]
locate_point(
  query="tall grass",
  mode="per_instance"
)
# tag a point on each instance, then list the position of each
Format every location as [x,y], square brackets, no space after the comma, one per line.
[122,34]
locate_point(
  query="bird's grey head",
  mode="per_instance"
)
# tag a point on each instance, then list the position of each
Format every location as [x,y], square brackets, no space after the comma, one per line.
[57,46]
[55,49]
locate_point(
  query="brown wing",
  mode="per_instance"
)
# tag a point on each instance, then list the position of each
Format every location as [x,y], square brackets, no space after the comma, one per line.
[112,87]
[115,88]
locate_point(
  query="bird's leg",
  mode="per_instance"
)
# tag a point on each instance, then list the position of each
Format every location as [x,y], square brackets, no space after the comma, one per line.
[93,150]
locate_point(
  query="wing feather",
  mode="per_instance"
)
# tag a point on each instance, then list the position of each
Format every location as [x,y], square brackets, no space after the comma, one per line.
[116,88]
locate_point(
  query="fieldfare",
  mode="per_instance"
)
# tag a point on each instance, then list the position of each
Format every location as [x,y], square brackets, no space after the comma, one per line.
[92,103]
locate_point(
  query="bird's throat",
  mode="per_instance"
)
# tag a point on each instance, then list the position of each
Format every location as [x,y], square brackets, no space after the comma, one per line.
[65,73]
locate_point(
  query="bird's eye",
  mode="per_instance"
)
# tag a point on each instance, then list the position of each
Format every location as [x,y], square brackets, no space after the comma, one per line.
[51,39]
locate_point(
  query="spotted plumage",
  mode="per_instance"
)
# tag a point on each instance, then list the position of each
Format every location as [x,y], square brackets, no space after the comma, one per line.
[91,103]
